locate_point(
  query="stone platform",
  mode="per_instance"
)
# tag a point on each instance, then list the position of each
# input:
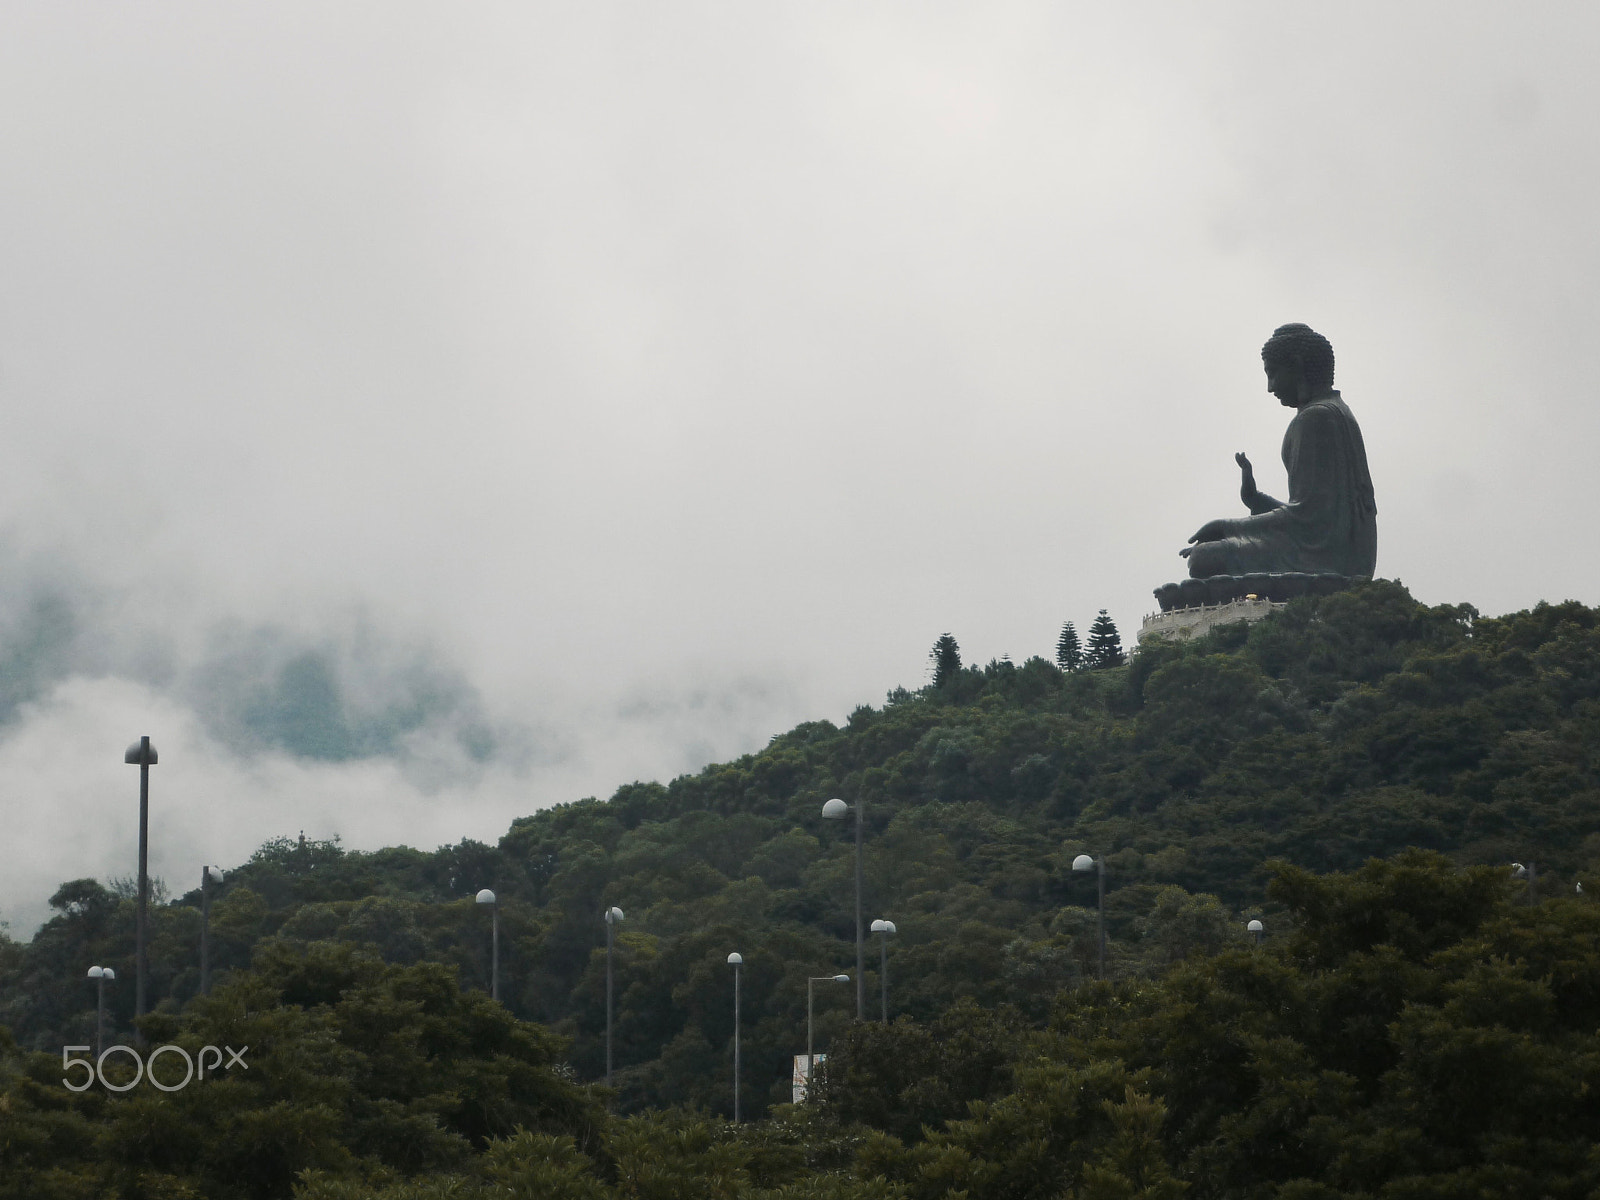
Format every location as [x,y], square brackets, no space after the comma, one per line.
[1195,606]
[1277,587]
[1184,623]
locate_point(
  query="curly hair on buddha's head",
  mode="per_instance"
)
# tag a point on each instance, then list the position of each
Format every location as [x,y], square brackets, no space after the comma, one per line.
[1306,344]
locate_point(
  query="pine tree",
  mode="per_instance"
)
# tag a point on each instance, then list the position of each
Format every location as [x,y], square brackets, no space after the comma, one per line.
[1105,644]
[1069,651]
[946,656]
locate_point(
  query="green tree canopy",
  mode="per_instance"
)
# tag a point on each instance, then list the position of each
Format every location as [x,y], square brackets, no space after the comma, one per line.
[1105,644]
[1069,653]
[1339,730]
[946,658]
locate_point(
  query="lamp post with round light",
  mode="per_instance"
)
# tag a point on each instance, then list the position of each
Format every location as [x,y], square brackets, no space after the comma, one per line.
[1531,874]
[811,1003]
[208,875]
[1256,929]
[143,755]
[884,929]
[1085,862]
[612,915]
[489,898]
[736,960]
[835,810]
[101,977]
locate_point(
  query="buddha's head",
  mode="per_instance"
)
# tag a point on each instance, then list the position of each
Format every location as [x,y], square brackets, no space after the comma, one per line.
[1299,364]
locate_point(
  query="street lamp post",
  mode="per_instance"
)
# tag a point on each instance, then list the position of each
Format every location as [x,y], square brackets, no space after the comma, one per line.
[1085,862]
[885,928]
[143,754]
[1256,929]
[101,976]
[811,1004]
[736,960]
[208,875]
[612,916]
[488,897]
[834,810]
[1531,874]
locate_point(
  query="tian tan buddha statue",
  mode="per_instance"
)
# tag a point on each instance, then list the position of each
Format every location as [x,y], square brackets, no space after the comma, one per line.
[1328,526]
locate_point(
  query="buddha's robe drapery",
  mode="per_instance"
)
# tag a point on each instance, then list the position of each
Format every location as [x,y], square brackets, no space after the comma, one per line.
[1330,522]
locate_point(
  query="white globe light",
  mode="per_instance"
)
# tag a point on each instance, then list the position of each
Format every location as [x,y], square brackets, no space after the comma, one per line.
[97,972]
[1083,863]
[108,974]
[1255,927]
[216,875]
[736,958]
[882,926]
[613,914]
[486,897]
[834,810]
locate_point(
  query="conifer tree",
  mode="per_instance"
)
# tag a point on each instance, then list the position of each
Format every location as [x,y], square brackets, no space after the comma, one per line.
[946,656]
[1105,644]
[1069,651]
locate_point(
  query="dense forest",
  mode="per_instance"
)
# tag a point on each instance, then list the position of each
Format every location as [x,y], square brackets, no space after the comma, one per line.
[1357,771]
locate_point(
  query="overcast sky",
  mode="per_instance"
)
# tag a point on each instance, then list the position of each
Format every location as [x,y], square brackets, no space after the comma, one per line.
[416,415]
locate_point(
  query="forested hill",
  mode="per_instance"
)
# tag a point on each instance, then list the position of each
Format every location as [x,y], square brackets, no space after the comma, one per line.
[1340,729]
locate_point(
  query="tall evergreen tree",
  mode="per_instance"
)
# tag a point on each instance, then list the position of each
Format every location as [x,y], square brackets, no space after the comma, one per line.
[1105,644]
[946,656]
[1069,651]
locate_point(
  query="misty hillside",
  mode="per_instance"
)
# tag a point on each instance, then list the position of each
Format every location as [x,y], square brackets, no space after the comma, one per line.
[1340,729]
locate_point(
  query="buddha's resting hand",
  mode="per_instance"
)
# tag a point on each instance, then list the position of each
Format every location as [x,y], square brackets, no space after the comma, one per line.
[1247,482]
[1211,531]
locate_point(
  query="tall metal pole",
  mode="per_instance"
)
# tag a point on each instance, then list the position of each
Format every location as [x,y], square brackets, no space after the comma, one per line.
[811,1005]
[736,967]
[834,810]
[608,996]
[205,931]
[100,1017]
[144,880]
[861,975]
[1101,863]
[883,971]
[494,968]
[811,1054]
[144,754]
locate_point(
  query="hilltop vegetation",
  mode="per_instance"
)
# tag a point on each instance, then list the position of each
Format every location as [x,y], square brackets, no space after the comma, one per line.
[1423,1032]
[1344,728]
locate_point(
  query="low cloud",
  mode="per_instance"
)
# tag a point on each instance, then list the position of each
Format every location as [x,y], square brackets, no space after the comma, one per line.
[338,727]
[209,803]
[342,696]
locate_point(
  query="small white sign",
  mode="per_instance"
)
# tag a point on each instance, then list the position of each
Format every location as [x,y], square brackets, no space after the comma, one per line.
[802,1076]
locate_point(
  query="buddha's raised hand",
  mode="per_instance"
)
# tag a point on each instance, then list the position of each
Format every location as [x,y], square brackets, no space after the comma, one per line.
[1247,481]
